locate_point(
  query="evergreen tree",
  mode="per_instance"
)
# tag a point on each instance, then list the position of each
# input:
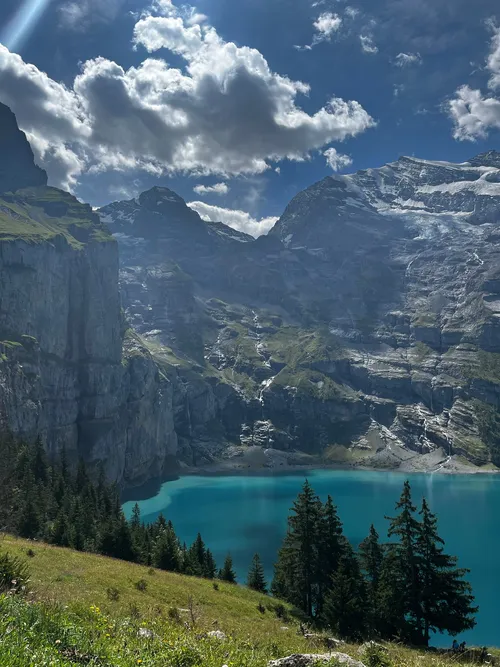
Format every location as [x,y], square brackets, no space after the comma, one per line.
[210,567]
[345,603]
[371,555]
[256,577]
[227,573]
[331,547]
[403,599]
[165,555]
[446,599]
[296,571]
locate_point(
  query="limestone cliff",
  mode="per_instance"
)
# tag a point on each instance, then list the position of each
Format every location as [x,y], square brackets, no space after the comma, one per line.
[69,370]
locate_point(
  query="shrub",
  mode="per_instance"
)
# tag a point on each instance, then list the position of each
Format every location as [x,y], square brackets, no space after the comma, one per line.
[113,594]
[261,608]
[376,656]
[216,586]
[141,585]
[280,611]
[14,574]
[134,612]
[30,553]
[174,615]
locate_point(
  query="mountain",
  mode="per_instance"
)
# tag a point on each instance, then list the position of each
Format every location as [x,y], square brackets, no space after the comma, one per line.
[70,370]
[364,329]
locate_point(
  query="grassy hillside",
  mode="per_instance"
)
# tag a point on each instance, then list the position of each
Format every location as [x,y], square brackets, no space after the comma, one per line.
[91,610]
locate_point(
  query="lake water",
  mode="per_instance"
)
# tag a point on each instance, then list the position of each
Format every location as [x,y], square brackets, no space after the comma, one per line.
[245,515]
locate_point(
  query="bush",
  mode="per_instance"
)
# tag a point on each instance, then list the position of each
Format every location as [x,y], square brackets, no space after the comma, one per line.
[141,585]
[30,553]
[261,608]
[376,656]
[216,586]
[14,574]
[113,594]
[174,615]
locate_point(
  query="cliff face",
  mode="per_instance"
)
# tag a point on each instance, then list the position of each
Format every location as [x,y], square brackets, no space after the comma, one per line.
[69,371]
[365,328]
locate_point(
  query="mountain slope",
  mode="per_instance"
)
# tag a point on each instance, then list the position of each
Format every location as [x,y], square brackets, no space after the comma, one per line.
[364,328]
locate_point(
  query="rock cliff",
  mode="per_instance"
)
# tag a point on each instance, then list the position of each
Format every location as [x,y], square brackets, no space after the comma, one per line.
[69,369]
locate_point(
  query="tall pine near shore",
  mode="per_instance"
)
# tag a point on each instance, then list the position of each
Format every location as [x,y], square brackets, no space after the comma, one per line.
[402,604]
[371,556]
[446,598]
[332,546]
[296,571]
[256,578]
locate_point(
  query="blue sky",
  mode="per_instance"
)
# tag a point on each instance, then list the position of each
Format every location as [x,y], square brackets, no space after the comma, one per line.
[259,98]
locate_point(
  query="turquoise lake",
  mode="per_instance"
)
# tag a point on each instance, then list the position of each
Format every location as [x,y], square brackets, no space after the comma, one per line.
[245,515]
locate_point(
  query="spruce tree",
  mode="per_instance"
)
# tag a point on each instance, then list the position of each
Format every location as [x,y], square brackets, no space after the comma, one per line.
[165,555]
[227,573]
[256,577]
[371,556]
[210,566]
[403,599]
[296,571]
[345,603]
[446,599]
[331,547]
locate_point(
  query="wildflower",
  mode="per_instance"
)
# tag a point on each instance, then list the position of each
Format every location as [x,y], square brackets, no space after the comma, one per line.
[58,641]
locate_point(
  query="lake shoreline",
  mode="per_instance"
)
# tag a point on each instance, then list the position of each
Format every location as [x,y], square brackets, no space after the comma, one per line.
[247,465]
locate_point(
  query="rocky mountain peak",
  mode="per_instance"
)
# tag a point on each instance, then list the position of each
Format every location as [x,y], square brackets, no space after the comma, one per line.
[488,159]
[166,202]
[17,162]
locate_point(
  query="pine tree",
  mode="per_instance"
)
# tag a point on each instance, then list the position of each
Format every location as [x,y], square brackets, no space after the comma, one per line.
[446,599]
[296,571]
[345,603]
[165,555]
[210,566]
[403,599]
[256,577]
[371,556]
[227,573]
[331,547]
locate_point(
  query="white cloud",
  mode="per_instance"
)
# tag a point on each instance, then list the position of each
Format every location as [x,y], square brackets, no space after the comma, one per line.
[473,113]
[224,113]
[81,14]
[327,24]
[493,62]
[216,189]
[335,160]
[367,44]
[240,220]
[407,59]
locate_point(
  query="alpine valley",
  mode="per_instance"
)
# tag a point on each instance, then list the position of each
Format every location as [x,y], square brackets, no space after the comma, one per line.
[363,330]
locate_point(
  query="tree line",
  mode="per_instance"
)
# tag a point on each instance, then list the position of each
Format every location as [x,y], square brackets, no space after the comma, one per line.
[68,508]
[406,589]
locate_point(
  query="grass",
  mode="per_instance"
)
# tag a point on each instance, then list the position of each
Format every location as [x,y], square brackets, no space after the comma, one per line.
[91,610]
[313,383]
[41,214]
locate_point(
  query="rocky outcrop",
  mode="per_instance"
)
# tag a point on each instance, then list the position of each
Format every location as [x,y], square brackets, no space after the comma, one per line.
[17,163]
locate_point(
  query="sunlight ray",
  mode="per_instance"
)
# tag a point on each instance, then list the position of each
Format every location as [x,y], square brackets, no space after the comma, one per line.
[23,23]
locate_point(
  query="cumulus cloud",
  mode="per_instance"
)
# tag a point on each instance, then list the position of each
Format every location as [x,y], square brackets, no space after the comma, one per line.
[407,59]
[225,112]
[240,220]
[216,189]
[474,113]
[326,25]
[81,14]
[335,160]
[367,44]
